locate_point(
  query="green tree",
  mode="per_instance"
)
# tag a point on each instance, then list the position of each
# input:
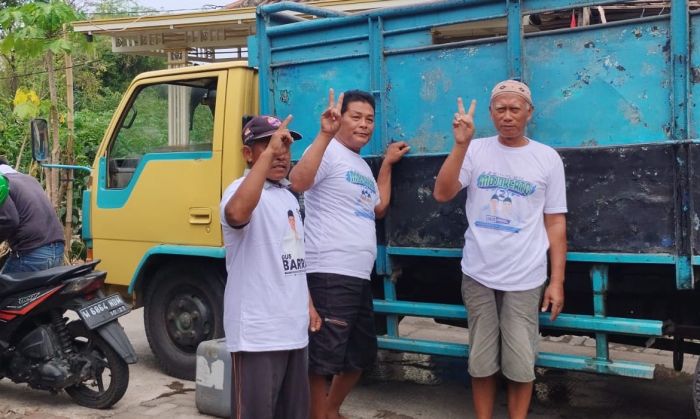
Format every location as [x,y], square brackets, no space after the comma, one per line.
[101,77]
[38,29]
[119,69]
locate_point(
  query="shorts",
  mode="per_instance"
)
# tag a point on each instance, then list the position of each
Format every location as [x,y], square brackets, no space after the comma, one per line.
[503,330]
[347,340]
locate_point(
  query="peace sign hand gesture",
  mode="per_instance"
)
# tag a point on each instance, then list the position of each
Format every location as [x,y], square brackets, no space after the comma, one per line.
[463,123]
[330,118]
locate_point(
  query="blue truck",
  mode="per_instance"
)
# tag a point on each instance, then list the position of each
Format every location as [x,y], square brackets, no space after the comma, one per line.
[615,98]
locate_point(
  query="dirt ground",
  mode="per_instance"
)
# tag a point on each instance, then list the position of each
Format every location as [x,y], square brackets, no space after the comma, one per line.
[404,386]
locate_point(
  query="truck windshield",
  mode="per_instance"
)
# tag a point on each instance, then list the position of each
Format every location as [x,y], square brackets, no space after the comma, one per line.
[162,118]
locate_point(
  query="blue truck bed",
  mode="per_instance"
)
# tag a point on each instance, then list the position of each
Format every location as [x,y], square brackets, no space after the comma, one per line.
[616,99]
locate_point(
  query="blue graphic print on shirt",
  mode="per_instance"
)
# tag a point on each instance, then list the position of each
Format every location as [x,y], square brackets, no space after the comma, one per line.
[368,192]
[501,212]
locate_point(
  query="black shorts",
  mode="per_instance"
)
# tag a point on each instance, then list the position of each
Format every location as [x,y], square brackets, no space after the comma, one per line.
[347,340]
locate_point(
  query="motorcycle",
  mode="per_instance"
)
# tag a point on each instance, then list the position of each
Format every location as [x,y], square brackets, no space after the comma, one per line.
[87,357]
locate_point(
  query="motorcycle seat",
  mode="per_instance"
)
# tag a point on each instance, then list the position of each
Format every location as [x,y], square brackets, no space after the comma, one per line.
[11,283]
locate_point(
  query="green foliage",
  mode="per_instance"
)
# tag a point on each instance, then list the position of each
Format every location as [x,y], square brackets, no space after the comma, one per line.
[29,29]
[90,125]
[34,28]
[27,104]
[25,111]
[146,130]
[120,69]
[114,8]
[10,3]
[12,133]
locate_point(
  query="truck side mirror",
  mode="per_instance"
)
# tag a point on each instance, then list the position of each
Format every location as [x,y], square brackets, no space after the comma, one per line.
[40,139]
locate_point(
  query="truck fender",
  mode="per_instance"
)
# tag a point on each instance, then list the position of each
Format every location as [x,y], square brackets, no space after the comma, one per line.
[172,250]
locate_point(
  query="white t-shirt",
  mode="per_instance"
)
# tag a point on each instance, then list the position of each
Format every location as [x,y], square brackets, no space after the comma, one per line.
[266,298]
[509,189]
[340,230]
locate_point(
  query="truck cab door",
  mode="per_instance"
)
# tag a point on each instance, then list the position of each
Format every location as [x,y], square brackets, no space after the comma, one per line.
[159,176]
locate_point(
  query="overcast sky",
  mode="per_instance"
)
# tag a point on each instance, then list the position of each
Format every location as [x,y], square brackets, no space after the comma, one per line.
[182,4]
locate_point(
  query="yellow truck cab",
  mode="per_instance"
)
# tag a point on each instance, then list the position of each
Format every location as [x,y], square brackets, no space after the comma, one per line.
[151,214]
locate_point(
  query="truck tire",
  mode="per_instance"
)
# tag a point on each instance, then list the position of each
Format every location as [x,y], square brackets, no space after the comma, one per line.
[696,390]
[183,307]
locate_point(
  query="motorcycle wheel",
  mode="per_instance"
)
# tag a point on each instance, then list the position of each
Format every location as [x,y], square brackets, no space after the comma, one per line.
[110,377]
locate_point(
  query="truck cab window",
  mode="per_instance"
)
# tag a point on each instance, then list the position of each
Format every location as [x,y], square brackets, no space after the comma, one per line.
[162,119]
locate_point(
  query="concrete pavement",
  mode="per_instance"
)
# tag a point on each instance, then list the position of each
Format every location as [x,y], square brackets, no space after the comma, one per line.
[404,386]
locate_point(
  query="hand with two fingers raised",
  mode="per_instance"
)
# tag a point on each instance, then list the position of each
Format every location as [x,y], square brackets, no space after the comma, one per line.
[330,118]
[463,123]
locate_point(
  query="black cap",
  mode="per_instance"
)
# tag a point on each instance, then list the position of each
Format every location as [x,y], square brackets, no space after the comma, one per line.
[262,127]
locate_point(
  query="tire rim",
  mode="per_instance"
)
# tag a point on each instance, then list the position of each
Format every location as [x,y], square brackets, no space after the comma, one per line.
[188,320]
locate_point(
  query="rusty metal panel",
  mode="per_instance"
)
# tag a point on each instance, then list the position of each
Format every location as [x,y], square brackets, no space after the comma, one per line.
[609,85]
[423,86]
[302,90]
[694,77]
[615,99]
[620,199]
[695,195]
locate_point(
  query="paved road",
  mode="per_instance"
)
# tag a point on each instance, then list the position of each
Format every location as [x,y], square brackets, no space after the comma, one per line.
[404,386]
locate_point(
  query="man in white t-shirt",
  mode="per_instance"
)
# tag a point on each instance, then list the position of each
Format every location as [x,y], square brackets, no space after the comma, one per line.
[516,205]
[342,200]
[266,305]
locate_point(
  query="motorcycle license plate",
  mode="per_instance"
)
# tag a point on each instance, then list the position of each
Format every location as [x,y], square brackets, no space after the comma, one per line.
[103,311]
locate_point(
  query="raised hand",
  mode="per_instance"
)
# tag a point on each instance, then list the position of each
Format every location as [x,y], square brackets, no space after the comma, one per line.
[330,118]
[396,151]
[463,123]
[281,140]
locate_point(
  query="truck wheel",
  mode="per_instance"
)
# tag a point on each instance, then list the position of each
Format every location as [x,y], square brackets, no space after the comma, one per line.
[696,390]
[183,307]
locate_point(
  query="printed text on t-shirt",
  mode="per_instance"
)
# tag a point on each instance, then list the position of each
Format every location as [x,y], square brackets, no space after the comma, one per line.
[502,211]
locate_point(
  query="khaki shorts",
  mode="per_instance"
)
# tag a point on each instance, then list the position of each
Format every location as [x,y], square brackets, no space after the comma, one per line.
[503,330]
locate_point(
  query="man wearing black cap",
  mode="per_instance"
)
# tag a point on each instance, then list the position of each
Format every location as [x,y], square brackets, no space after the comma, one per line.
[267,310]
